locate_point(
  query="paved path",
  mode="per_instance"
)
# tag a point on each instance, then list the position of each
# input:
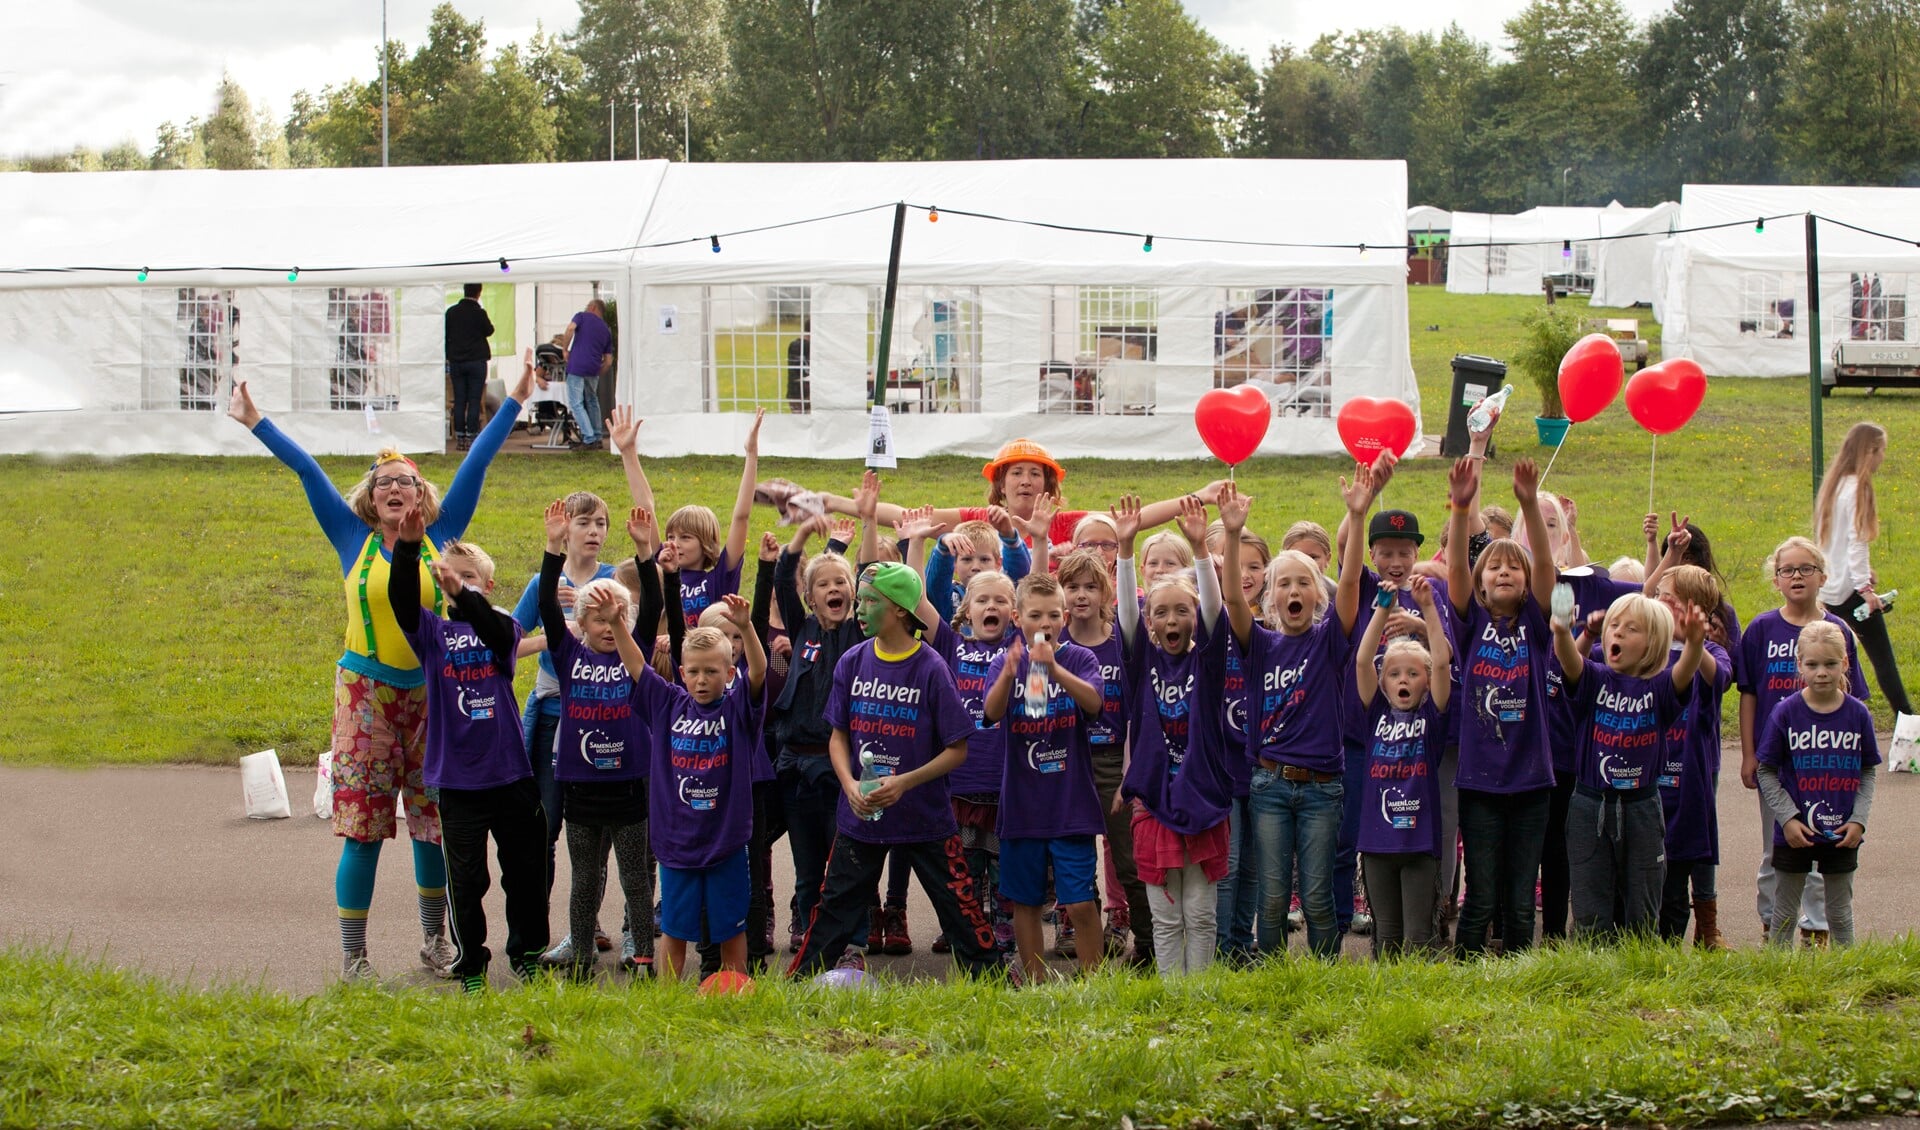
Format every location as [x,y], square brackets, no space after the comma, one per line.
[157,868]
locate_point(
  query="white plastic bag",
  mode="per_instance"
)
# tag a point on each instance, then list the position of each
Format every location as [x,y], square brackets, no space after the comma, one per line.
[323,787]
[1904,754]
[264,786]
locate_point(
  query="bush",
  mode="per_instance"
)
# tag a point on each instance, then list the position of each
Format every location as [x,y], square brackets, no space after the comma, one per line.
[1546,334]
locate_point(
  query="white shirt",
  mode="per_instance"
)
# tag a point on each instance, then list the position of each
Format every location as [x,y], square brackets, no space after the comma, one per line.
[1848,567]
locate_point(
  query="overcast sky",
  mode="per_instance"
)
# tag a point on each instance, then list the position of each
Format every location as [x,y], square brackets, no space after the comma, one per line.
[99,72]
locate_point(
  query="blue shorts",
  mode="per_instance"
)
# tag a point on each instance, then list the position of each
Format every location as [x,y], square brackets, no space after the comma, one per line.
[1023,870]
[705,904]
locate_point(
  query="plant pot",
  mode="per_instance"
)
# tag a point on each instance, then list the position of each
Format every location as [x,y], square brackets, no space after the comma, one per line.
[1552,429]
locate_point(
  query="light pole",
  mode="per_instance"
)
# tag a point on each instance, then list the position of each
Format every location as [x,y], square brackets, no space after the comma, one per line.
[686,132]
[611,105]
[636,129]
[383,83]
[1564,174]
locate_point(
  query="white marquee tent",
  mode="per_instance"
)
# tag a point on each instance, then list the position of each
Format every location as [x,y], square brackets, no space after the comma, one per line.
[1085,342]
[1735,299]
[1623,272]
[1427,218]
[1502,254]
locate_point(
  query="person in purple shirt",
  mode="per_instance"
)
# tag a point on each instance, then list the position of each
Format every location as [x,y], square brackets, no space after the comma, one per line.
[475,755]
[589,347]
[1399,708]
[1296,675]
[709,564]
[1690,774]
[1816,772]
[704,759]
[1049,808]
[1622,710]
[1505,764]
[898,729]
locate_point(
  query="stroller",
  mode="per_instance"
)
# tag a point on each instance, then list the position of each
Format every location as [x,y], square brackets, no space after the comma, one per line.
[552,416]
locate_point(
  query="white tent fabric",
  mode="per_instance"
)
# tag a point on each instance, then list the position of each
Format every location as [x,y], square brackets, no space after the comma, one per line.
[1735,299]
[1086,342]
[1502,254]
[1427,218]
[1623,273]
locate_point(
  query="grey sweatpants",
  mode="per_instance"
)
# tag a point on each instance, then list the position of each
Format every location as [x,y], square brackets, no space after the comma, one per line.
[1839,892]
[1813,899]
[1616,855]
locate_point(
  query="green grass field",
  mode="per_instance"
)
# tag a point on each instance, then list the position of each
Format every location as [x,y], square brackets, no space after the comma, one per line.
[161,609]
[1641,1035]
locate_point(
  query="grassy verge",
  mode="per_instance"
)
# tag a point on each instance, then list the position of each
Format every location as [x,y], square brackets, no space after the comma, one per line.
[1641,1034]
[174,609]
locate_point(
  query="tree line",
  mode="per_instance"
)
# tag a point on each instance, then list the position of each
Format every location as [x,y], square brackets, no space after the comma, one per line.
[1580,104]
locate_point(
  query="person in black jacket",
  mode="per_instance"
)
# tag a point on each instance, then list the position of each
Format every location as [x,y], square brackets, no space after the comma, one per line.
[468,329]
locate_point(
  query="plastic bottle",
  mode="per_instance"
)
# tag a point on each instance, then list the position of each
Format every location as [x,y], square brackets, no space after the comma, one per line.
[1035,700]
[869,781]
[1886,605]
[1488,410]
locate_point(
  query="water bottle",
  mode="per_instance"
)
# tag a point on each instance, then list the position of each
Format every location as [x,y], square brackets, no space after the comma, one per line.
[1886,605]
[869,781]
[1035,700]
[1489,408]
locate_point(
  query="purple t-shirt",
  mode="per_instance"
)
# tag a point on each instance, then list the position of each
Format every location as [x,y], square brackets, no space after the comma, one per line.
[473,721]
[1621,724]
[1295,704]
[1370,590]
[1109,733]
[1400,810]
[1819,758]
[1691,764]
[1593,591]
[1501,690]
[591,337]
[969,660]
[700,588]
[1237,716]
[1047,790]
[601,737]
[1177,766]
[701,770]
[1769,663]
[905,711]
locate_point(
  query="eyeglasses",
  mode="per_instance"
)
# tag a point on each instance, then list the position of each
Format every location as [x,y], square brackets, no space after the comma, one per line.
[1798,571]
[1102,546]
[383,481]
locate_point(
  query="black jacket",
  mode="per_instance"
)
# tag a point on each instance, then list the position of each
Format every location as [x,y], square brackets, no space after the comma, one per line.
[468,329]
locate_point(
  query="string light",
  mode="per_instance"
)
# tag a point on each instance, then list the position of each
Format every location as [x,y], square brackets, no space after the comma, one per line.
[503,264]
[1363,250]
[716,245]
[1148,245]
[933,215]
[142,276]
[1760,225]
[1566,249]
[293,275]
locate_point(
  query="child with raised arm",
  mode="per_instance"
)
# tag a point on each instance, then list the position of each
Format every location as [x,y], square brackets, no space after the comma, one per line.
[704,759]
[475,756]
[1399,705]
[1176,774]
[1505,770]
[603,741]
[898,729]
[1816,772]
[1690,775]
[973,547]
[709,566]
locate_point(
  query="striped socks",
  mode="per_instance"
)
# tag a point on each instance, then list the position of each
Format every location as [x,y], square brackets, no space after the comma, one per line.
[433,911]
[353,931]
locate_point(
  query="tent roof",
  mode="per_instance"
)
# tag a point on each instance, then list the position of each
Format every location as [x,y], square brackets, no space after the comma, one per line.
[1426,217]
[1304,202]
[1782,247]
[549,221]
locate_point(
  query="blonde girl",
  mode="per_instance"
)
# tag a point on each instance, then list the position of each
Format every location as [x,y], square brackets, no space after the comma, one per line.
[1846,521]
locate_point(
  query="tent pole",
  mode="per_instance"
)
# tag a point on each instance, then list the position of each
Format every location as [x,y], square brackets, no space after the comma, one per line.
[1815,408]
[881,349]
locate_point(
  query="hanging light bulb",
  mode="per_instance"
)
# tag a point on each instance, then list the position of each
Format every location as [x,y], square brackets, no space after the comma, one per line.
[1566,249]
[1148,245]
[142,276]
[1760,225]
[716,245]
[293,275]
[503,264]
[1363,250]
[933,215]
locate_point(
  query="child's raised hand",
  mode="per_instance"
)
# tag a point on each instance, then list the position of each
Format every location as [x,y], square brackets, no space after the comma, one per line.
[1000,520]
[1210,494]
[240,406]
[523,387]
[1126,517]
[1526,483]
[1358,494]
[1016,651]
[1422,591]
[623,428]
[769,546]
[1680,537]
[919,522]
[1041,524]
[556,522]
[413,526]
[1193,521]
[753,433]
[1463,482]
[1590,628]
[1572,510]
[738,611]
[1383,468]
[866,500]
[449,578]
[640,528]
[955,544]
[1234,508]
[1690,625]
[820,525]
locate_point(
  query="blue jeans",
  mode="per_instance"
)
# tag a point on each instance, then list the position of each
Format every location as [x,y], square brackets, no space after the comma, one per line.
[583,400]
[1346,859]
[538,730]
[1239,895]
[1296,822]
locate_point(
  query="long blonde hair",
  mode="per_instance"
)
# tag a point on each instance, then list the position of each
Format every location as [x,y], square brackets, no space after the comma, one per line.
[1863,439]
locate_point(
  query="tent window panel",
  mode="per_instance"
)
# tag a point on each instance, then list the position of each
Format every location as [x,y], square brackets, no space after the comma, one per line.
[1280,339]
[1110,336]
[759,353]
[1583,258]
[1877,308]
[934,362]
[346,349]
[1496,261]
[1766,305]
[189,346]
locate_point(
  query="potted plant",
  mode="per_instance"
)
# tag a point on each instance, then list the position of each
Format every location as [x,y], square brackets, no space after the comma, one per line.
[1546,335]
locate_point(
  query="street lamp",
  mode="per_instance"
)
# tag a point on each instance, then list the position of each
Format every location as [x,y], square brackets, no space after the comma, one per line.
[1564,174]
[383,83]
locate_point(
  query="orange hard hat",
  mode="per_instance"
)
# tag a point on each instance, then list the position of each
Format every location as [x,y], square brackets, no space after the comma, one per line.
[1021,451]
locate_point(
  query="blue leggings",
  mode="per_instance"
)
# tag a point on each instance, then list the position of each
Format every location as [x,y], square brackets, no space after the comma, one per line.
[353,879]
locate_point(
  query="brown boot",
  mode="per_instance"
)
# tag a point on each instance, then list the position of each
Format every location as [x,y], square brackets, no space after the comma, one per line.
[877,933]
[1706,926]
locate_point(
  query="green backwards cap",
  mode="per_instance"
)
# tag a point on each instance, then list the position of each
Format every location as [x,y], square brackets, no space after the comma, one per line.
[899,584]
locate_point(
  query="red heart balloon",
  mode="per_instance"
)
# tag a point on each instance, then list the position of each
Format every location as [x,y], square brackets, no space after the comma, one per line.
[1369,426]
[1233,421]
[1663,397]
[1590,376]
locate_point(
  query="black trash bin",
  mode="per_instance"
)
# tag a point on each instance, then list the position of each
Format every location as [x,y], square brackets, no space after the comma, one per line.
[1473,379]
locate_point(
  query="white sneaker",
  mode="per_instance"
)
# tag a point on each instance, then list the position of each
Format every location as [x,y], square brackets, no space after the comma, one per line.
[560,954]
[1362,923]
[438,954]
[355,968]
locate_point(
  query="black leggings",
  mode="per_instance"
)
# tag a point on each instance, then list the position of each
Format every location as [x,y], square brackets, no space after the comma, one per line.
[1872,634]
[587,846]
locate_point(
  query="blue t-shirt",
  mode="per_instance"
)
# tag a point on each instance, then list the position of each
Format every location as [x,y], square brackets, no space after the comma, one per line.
[591,337]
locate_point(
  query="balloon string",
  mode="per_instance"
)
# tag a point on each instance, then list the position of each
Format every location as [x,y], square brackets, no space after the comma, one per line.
[1653,460]
[1556,455]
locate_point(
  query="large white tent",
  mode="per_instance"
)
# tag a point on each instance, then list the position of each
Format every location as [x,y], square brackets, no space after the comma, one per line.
[1502,254]
[1735,299]
[1086,341]
[1623,271]
[1427,218]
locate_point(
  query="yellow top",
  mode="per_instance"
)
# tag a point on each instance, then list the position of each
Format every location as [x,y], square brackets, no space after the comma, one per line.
[375,645]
